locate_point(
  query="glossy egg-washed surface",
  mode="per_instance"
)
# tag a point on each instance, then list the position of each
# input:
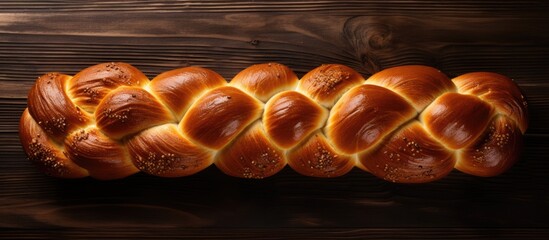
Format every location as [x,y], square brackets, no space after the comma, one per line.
[408,124]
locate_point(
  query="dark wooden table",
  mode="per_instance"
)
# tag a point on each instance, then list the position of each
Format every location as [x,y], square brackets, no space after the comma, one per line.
[509,37]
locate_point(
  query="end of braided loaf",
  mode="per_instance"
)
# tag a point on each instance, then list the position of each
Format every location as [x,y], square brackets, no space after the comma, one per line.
[407,124]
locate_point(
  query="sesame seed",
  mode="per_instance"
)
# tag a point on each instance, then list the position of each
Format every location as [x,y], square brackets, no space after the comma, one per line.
[327,80]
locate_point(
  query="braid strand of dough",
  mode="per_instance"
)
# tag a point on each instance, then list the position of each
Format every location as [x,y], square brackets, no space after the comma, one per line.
[407,124]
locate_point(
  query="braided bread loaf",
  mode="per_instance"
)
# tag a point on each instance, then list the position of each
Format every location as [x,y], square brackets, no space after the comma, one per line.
[406,124]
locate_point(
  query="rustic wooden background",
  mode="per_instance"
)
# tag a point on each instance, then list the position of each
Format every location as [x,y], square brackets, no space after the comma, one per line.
[509,37]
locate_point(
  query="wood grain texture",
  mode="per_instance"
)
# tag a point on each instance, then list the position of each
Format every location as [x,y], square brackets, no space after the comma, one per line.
[455,36]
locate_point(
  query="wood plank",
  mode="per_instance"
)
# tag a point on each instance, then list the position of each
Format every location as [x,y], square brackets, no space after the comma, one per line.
[263,233]
[367,44]
[378,7]
[455,36]
[255,233]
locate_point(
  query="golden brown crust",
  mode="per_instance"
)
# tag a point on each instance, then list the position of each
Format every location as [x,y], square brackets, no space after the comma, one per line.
[128,110]
[220,115]
[317,158]
[265,80]
[163,151]
[44,153]
[325,84]
[103,157]
[289,117]
[420,85]
[457,120]
[180,87]
[364,115]
[251,155]
[499,91]
[410,155]
[495,151]
[89,86]
[52,109]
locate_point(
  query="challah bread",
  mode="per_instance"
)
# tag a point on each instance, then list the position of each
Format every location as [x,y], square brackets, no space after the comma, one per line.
[407,124]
